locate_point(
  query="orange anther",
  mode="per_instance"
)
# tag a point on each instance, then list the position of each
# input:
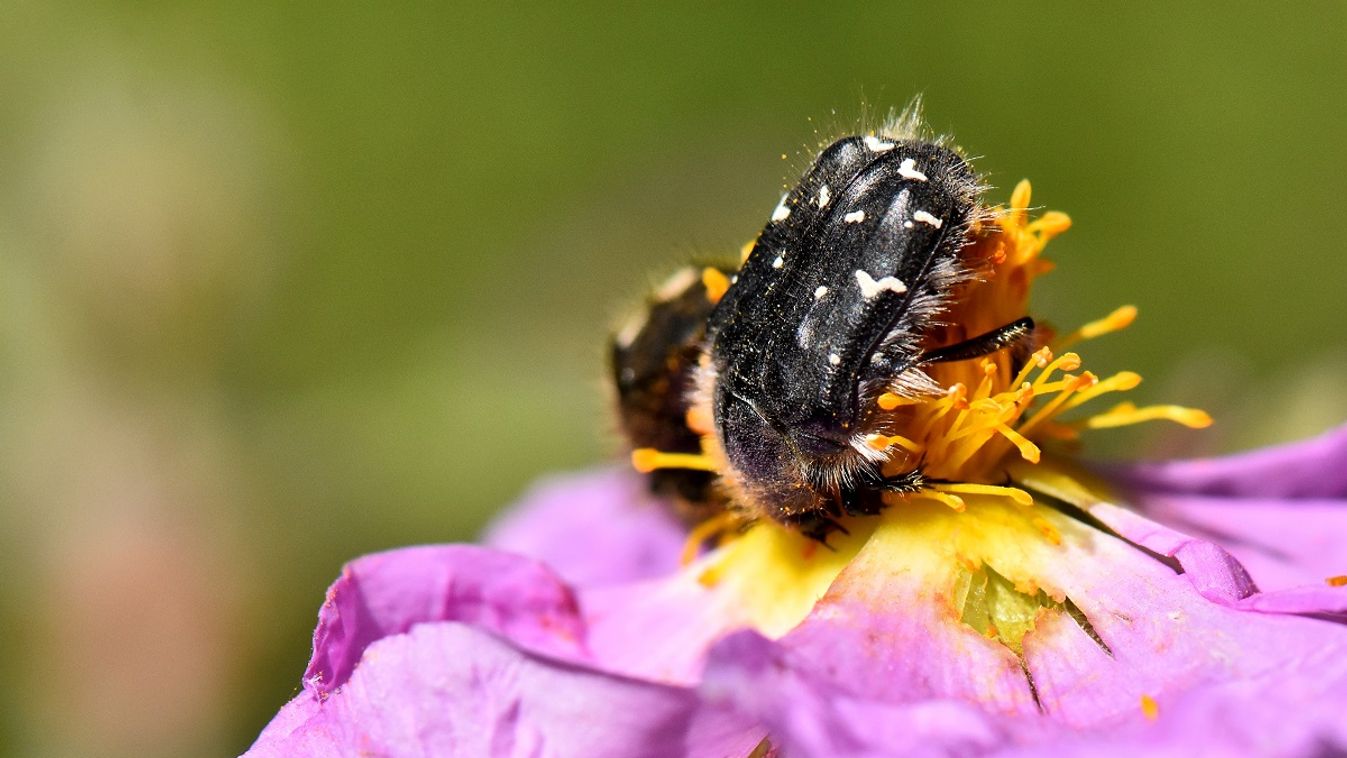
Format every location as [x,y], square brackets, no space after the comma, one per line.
[716,283]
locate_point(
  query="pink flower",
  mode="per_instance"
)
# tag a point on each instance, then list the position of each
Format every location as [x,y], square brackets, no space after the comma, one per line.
[1017,605]
[598,644]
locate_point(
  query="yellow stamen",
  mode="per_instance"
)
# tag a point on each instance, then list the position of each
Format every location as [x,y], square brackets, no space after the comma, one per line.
[704,531]
[1064,362]
[1119,382]
[1019,496]
[1041,358]
[1126,414]
[747,249]
[1149,708]
[989,372]
[953,502]
[1118,319]
[1028,450]
[1336,581]
[646,459]
[716,283]
[1050,225]
[1071,385]
[1019,198]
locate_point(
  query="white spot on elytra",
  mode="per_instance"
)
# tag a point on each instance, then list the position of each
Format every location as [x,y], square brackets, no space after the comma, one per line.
[823,196]
[782,212]
[734,279]
[877,358]
[820,292]
[779,262]
[855,217]
[871,288]
[876,144]
[907,224]
[927,218]
[908,170]
[834,358]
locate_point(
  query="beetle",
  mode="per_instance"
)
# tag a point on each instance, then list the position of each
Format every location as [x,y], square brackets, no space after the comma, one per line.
[651,362]
[835,304]
[831,309]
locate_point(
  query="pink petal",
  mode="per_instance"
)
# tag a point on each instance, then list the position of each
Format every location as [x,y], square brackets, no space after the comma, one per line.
[593,528]
[1313,468]
[895,637]
[1211,570]
[1313,600]
[1243,502]
[388,593]
[1293,710]
[1279,550]
[659,630]
[809,717]
[451,689]
[1165,632]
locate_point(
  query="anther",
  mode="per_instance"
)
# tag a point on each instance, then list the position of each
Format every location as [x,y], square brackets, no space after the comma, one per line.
[1149,708]
[1019,496]
[1126,414]
[646,459]
[1118,319]
[715,282]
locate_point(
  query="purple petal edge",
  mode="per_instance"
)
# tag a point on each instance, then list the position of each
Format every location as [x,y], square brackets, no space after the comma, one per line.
[1211,569]
[1313,468]
[388,593]
[451,689]
[1282,543]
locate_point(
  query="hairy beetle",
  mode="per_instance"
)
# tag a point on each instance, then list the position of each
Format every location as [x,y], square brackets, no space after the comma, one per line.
[832,307]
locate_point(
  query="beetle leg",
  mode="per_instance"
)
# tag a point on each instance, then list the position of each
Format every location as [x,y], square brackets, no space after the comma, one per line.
[861,502]
[1014,333]
[904,484]
[815,526]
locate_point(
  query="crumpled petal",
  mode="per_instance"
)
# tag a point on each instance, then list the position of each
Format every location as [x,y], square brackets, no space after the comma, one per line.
[1282,543]
[1211,569]
[593,528]
[1281,511]
[452,689]
[388,593]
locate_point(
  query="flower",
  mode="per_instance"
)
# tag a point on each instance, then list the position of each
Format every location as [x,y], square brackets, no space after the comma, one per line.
[1014,607]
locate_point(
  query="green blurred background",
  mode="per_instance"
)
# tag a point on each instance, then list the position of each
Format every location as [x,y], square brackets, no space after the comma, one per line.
[283,283]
